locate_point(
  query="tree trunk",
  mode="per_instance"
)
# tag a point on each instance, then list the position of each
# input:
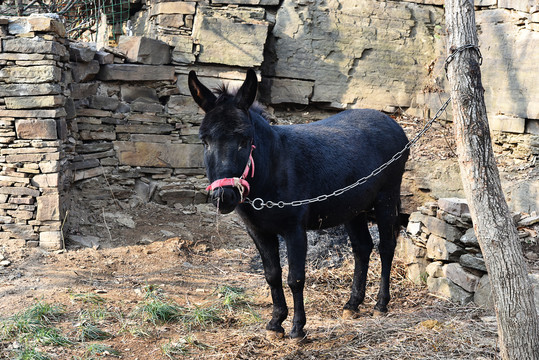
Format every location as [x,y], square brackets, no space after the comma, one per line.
[518,326]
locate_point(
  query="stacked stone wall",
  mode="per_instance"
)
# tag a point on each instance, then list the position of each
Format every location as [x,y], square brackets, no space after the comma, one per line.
[33,95]
[442,251]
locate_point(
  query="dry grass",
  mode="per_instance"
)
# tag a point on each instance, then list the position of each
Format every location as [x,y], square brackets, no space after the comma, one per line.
[418,326]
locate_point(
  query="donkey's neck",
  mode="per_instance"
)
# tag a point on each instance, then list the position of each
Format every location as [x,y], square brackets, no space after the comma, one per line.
[266,140]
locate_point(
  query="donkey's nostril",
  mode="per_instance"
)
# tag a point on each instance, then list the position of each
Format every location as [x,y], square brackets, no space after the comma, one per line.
[225,199]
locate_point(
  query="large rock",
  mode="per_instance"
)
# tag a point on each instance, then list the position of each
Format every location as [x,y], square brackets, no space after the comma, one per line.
[247,2]
[509,57]
[534,280]
[457,274]
[144,50]
[454,206]
[473,262]
[85,71]
[79,51]
[448,289]
[227,38]
[483,295]
[48,207]
[522,196]
[507,123]
[36,22]
[440,249]
[358,53]
[42,129]
[20,231]
[38,45]
[31,74]
[174,7]
[289,91]
[437,227]
[159,154]
[51,240]
[29,89]
[520,5]
[130,93]
[469,238]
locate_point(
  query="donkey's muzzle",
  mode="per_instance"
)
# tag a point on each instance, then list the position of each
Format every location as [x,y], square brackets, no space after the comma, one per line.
[225,199]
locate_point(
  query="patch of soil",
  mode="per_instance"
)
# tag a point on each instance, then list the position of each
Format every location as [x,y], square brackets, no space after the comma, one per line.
[188,268]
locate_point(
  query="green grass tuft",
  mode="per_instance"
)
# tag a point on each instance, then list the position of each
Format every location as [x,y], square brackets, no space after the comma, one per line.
[155,308]
[172,350]
[51,336]
[200,316]
[235,301]
[87,331]
[30,354]
[42,313]
[232,297]
[88,298]
[100,350]
[94,314]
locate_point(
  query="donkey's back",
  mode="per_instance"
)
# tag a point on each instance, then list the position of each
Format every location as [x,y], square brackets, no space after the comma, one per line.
[333,153]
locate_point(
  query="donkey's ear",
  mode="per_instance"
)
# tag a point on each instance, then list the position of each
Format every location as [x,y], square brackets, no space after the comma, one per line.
[247,93]
[202,95]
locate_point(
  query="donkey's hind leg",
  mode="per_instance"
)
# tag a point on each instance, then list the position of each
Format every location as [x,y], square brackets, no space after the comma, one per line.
[361,241]
[387,209]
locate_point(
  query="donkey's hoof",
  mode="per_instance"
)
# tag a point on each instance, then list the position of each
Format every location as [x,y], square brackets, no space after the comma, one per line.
[378,313]
[349,314]
[274,335]
[299,337]
[299,340]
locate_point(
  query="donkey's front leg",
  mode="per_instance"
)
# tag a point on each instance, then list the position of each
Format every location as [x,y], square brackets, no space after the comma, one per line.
[296,245]
[268,247]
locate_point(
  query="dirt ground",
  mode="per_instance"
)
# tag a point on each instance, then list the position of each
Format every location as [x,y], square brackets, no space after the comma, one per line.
[202,252]
[185,256]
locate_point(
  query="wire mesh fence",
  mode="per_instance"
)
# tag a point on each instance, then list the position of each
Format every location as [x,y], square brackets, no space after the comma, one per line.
[83,18]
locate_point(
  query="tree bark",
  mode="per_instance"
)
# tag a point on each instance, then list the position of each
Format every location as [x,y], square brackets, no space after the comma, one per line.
[518,326]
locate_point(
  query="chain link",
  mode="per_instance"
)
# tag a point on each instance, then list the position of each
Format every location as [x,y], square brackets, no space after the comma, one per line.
[458,50]
[259,204]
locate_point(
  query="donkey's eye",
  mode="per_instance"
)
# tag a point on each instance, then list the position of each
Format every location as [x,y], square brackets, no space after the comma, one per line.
[243,144]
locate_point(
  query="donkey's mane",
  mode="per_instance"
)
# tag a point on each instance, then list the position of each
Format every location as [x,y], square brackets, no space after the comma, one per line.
[225,93]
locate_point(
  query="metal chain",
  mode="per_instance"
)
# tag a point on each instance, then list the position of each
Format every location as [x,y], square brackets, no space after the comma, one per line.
[459,49]
[259,204]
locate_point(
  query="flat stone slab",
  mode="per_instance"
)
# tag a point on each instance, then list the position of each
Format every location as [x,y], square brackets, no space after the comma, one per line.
[134,72]
[33,102]
[145,50]
[224,39]
[29,89]
[52,113]
[159,154]
[454,206]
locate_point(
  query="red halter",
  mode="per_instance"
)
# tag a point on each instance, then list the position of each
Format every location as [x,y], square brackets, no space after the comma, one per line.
[240,183]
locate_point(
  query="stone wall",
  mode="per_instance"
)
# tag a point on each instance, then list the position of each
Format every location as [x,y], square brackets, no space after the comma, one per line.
[33,97]
[441,250]
[387,55]
[80,126]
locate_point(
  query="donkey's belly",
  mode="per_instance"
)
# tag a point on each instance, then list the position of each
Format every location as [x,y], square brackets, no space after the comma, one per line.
[333,212]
